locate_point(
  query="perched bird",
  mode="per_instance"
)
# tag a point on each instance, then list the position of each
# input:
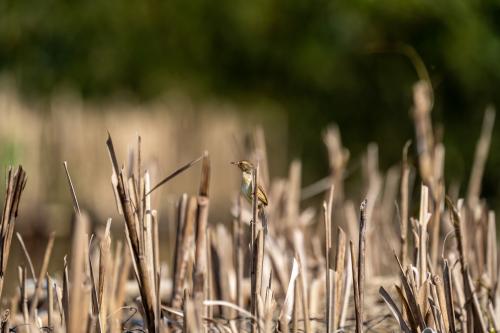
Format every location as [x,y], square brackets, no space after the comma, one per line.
[247,170]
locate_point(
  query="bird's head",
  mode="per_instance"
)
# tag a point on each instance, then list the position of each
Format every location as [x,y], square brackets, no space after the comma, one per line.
[244,165]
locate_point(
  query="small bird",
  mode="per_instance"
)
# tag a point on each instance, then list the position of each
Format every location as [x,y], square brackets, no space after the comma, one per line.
[247,170]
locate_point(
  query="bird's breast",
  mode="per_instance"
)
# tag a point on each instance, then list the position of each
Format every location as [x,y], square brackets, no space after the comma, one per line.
[246,186]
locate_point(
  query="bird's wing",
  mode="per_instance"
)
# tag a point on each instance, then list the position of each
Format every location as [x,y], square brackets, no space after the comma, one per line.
[261,195]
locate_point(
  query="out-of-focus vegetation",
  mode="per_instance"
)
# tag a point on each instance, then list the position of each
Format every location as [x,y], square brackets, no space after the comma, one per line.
[322,61]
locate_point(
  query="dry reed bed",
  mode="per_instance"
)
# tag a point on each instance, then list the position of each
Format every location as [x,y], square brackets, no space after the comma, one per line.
[311,272]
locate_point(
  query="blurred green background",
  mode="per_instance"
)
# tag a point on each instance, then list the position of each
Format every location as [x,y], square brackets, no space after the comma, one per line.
[349,62]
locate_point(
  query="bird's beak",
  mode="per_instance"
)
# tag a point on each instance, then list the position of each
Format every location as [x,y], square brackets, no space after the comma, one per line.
[234,163]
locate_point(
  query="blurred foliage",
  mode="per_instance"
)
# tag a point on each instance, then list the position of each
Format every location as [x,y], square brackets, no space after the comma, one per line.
[323,61]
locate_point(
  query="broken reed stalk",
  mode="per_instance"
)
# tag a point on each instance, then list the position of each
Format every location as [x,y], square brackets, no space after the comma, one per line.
[16,181]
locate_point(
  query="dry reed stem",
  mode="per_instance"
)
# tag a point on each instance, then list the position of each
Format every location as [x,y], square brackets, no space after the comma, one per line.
[295,316]
[359,322]
[347,291]
[16,181]
[492,256]
[50,305]
[200,284]
[41,275]
[238,248]
[75,315]
[423,130]
[361,262]
[89,272]
[481,154]
[437,201]
[210,278]
[447,284]
[338,158]
[24,297]
[293,194]
[327,213]
[422,234]
[130,216]
[261,155]
[188,233]
[285,314]
[405,175]
[256,280]
[303,294]
[104,277]
[180,221]
[339,269]
[436,280]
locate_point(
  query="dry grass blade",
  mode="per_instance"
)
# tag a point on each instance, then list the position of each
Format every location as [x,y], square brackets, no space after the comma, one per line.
[175,173]
[394,309]
[411,299]
[76,206]
[26,255]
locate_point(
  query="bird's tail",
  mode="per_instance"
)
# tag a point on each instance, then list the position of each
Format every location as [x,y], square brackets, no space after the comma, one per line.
[263,218]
